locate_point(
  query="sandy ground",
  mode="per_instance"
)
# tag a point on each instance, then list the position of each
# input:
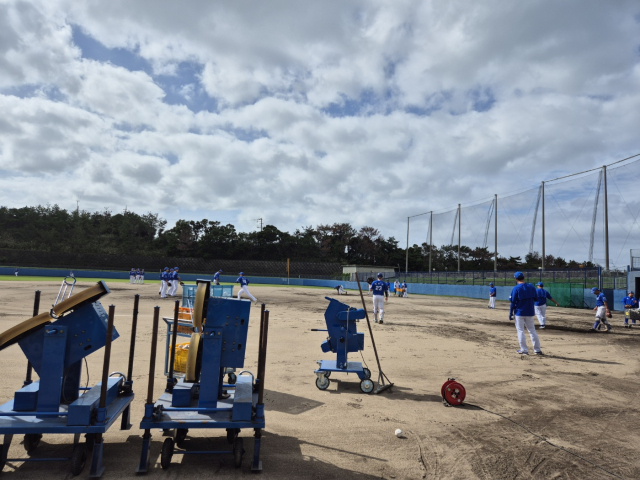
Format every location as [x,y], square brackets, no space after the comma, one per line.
[581,395]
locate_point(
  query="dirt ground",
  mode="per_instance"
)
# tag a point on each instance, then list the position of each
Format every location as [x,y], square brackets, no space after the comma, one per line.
[581,395]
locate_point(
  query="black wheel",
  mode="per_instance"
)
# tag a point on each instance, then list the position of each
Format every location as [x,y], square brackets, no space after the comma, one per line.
[366,386]
[232,433]
[181,435]
[238,452]
[78,459]
[90,439]
[231,377]
[367,372]
[322,382]
[31,441]
[327,374]
[167,453]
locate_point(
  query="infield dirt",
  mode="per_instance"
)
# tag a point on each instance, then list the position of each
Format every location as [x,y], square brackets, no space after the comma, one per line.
[581,395]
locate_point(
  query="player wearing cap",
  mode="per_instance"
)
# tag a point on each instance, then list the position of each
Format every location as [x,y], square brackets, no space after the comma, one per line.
[164,282]
[492,296]
[523,297]
[175,282]
[629,302]
[541,304]
[340,290]
[380,295]
[137,279]
[216,277]
[142,275]
[601,309]
[132,275]
[244,283]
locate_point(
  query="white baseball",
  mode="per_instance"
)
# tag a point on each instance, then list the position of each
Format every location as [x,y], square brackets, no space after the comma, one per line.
[398,432]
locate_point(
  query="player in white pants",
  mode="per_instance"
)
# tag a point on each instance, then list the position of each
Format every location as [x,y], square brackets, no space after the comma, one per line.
[492,295]
[244,283]
[164,278]
[601,309]
[142,275]
[174,282]
[541,304]
[216,277]
[523,297]
[380,295]
[132,275]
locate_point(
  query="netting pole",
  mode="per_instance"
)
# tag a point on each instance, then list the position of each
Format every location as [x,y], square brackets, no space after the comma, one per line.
[495,224]
[543,232]
[406,264]
[459,236]
[430,241]
[606,219]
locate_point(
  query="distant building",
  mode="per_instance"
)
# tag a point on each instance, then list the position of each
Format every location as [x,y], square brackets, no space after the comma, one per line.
[365,271]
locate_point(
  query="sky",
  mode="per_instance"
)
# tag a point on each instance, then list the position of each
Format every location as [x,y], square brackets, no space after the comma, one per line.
[307,113]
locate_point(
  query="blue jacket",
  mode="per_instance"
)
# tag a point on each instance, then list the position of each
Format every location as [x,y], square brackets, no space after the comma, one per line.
[542,296]
[523,297]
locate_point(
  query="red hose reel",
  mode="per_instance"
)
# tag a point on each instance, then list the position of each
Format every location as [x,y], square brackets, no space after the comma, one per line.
[453,393]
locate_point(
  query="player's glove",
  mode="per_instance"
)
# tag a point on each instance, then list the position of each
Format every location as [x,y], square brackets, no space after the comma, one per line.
[511,317]
[609,314]
[168,284]
[182,283]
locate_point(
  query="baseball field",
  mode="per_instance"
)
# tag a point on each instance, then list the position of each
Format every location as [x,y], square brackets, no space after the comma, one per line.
[570,414]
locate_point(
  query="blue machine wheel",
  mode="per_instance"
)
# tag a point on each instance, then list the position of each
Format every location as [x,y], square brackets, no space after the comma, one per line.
[322,382]
[78,459]
[366,386]
[181,435]
[367,372]
[31,441]
[232,378]
[167,453]
[90,440]
[232,433]
[238,452]
[327,374]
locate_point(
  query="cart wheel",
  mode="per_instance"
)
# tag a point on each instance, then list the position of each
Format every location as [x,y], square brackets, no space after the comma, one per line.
[181,435]
[367,373]
[90,440]
[232,433]
[31,441]
[322,382]
[366,386]
[327,374]
[78,459]
[167,453]
[231,377]
[238,451]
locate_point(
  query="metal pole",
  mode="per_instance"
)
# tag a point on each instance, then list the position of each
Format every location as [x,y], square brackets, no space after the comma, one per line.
[459,214]
[152,360]
[263,356]
[543,233]
[406,264]
[132,344]
[174,337]
[606,220]
[430,240]
[36,308]
[495,224]
[107,358]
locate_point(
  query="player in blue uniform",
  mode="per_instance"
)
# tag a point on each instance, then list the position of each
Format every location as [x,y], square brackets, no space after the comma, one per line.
[380,295]
[629,303]
[164,279]
[244,283]
[142,275]
[601,309]
[541,304]
[175,281]
[132,275]
[137,279]
[405,290]
[216,277]
[492,296]
[523,297]
[16,272]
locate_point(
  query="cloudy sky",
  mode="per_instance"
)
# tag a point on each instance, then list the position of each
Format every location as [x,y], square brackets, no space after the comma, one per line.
[310,112]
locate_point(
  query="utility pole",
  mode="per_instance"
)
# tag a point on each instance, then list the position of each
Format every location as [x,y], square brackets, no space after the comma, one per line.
[259,220]
[406,263]
[606,220]
[543,233]
[459,236]
[495,225]
[430,240]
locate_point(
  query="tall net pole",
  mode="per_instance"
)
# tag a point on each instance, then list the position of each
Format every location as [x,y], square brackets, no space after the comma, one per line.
[459,236]
[430,240]
[406,263]
[495,224]
[606,218]
[543,239]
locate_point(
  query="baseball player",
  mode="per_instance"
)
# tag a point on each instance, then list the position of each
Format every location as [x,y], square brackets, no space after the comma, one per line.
[16,272]
[164,282]
[142,275]
[244,283]
[175,281]
[404,290]
[523,297]
[132,275]
[388,286]
[216,277]
[137,280]
[629,302]
[601,309]
[340,289]
[396,287]
[541,304]
[380,295]
[492,296]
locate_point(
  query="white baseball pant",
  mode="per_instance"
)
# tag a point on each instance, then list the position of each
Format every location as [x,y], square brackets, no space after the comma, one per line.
[521,323]
[163,289]
[492,302]
[378,306]
[541,313]
[245,290]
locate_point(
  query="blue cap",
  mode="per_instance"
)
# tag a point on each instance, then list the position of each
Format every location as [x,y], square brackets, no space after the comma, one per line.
[518,276]
[241,273]
[491,284]
[166,268]
[220,271]
[540,284]
[379,275]
[631,293]
[595,289]
[176,268]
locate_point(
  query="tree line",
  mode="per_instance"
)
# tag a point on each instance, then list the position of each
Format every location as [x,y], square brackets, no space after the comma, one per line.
[54,229]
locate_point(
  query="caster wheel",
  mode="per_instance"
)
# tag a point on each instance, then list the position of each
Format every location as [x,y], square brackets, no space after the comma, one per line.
[181,435]
[232,433]
[232,378]
[167,453]
[327,374]
[31,441]
[78,459]
[367,373]
[366,386]
[90,440]
[322,382]
[238,452]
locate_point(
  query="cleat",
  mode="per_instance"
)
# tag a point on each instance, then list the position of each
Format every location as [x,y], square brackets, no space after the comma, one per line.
[539,353]
[380,322]
[541,326]
[522,352]
[592,330]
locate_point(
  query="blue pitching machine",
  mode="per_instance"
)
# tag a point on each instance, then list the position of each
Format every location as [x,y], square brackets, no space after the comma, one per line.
[343,339]
[200,399]
[56,343]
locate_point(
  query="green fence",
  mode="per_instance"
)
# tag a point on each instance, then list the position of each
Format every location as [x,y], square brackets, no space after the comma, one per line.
[568,295]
